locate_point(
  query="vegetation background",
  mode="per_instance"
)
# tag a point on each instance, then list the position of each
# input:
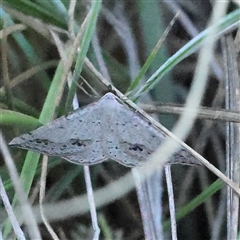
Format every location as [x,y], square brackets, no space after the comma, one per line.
[35,37]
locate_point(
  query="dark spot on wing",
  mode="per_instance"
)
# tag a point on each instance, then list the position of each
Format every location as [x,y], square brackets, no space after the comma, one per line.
[41,141]
[63,147]
[77,142]
[97,122]
[136,148]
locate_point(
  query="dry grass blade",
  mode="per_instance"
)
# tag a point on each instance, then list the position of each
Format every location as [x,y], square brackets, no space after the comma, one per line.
[203,112]
[204,161]
[30,72]
[91,201]
[42,196]
[125,35]
[34,23]
[149,191]
[6,80]
[171,202]
[9,30]
[18,231]
[233,132]
[27,213]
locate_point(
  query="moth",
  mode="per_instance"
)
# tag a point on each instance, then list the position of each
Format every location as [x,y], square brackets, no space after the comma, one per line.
[107,129]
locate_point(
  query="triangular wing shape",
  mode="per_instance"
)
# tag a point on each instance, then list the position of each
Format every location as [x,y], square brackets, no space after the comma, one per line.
[134,138]
[102,130]
[76,137]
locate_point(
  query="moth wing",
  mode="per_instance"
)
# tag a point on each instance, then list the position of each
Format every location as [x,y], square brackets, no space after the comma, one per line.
[184,157]
[137,139]
[75,137]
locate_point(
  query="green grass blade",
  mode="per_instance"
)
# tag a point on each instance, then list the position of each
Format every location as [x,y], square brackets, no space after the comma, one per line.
[86,40]
[24,44]
[32,159]
[201,198]
[151,15]
[36,11]
[191,47]
[8,117]
[20,106]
